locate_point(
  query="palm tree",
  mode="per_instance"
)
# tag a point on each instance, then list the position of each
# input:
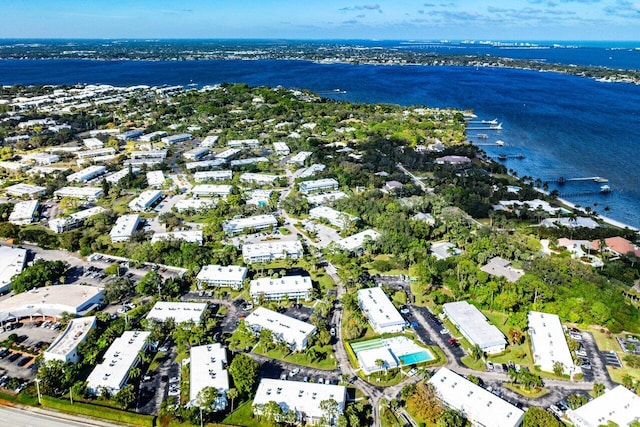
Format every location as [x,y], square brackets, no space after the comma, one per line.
[598,389]
[232,394]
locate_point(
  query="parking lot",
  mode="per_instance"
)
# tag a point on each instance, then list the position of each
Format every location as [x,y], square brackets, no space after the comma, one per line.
[630,344]
[611,359]
[32,338]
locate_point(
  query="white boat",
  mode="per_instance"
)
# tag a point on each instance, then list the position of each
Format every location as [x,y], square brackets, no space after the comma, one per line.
[483,136]
[500,142]
[490,122]
[496,127]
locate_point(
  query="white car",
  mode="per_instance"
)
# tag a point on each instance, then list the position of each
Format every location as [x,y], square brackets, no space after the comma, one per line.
[294,372]
[444,331]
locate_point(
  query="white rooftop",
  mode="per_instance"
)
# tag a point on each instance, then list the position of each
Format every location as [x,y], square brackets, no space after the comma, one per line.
[50,301]
[379,309]
[301,397]
[548,342]
[253,222]
[473,324]
[318,199]
[252,250]
[74,333]
[281,285]
[89,193]
[619,405]
[155,178]
[355,241]
[208,369]
[23,211]
[478,405]
[209,189]
[213,272]
[119,358]
[145,200]
[24,189]
[180,312]
[190,236]
[12,262]
[124,226]
[195,204]
[292,331]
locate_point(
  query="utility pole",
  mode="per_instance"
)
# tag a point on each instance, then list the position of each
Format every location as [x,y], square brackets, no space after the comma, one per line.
[38,390]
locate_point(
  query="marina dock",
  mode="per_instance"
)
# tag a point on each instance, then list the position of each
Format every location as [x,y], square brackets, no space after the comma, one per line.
[561,180]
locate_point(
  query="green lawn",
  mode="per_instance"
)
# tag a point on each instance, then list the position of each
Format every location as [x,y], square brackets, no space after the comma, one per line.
[471,363]
[533,394]
[97,411]
[243,416]
[328,361]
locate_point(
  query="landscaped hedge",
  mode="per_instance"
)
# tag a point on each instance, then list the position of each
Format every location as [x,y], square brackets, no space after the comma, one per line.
[101,412]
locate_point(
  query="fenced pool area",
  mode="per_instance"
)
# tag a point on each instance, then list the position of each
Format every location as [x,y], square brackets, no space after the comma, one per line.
[385,353]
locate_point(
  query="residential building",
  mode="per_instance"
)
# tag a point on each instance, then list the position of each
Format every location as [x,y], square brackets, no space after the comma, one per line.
[180,312]
[243,143]
[205,164]
[207,190]
[86,174]
[391,186]
[124,227]
[88,193]
[502,268]
[247,162]
[231,276]
[478,405]
[617,245]
[259,178]
[229,154]
[65,346]
[196,153]
[173,139]
[287,287]
[618,406]
[23,212]
[149,158]
[356,242]
[115,177]
[303,398]
[299,158]
[88,154]
[334,217]
[51,301]
[424,217]
[123,354]
[548,343]
[145,200]
[223,175]
[155,178]
[189,236]
[194,204]
[284,328]
[12,262]
[444,250]
[130,134]
[319,199]
[209,141]
[326,184]
[22,190]
[312,170]
[475,327]
[153,136]
[259,197]
[269,251]
[281,149]
[453,160]
[93,143]
[75,220]
[41,159]
[249,224]
[208,368]
[382,315]
[579,222]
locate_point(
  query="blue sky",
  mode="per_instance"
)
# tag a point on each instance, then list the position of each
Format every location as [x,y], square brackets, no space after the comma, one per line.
[326,19]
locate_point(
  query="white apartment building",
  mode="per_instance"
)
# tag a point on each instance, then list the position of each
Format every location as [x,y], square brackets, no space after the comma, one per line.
[180,312]
[23,212]
[145,200]
[208,190]
[88,154]
[249,161]
[173,139]
[281,149]
[155,178]
[228,154]
[87,193]
[319,199]
[287,287]
[205,164]
[231,276]
[124,227]
[223,175]
[86,174]
[196,153]
[210,141]
[382,315]
[269,251]
[93,143]
[75,220]
[475,327]
[334,217]
[149,158]
[478,405]
[65,346]
[355,242]
[312,170]
[548,342]
[326,184]
[115,177]
[299,158]
[21,190]
[259,178]
[252,223]
[284,328]
[243,143]
[208,368]
[303,398]
[189,236]
[42,159]
[195,204]
[121,356]
[153,136]
[12,262]
[618,406]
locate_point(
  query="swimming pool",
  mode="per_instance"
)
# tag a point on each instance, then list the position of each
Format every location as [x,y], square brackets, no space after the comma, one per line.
[419,357]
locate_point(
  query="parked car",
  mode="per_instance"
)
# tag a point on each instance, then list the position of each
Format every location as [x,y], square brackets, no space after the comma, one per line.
[295,372]
[444,331]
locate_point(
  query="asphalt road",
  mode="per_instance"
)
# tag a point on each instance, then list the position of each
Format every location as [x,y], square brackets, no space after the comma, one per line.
[30,418]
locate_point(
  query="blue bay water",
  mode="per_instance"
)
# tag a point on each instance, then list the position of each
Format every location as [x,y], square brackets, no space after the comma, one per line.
[564,125]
